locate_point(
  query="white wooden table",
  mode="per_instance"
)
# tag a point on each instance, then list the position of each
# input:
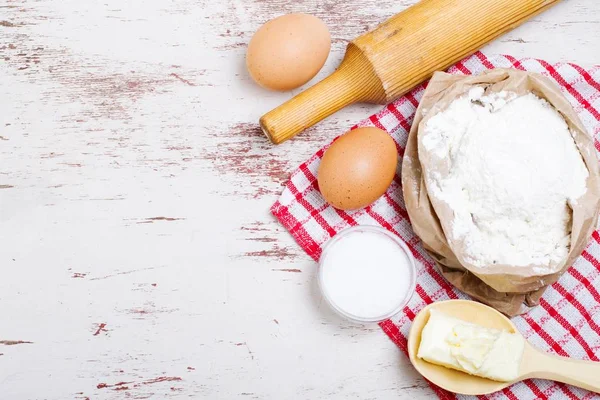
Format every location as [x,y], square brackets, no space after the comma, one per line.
[138,258]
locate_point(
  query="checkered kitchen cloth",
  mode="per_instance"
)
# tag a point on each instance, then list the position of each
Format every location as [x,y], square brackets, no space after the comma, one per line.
[567,322]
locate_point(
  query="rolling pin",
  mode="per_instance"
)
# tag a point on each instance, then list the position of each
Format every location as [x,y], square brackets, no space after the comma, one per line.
[407,49]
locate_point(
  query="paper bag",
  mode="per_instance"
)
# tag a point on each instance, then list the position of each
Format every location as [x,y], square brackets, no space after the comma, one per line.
[511,290]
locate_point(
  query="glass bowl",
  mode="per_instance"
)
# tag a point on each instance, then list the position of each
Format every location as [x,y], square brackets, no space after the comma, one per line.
[403,298]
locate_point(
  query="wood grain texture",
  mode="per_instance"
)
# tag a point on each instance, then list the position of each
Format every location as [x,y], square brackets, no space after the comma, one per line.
[137,253]
[402,52]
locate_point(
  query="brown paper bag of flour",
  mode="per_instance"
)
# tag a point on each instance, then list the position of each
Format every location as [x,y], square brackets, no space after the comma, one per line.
[509,289]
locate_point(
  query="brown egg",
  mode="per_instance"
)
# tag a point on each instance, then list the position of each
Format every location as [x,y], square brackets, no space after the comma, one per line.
[358,168]
[288,51]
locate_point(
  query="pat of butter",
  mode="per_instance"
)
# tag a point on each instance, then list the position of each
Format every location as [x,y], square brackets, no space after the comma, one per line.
[453,343]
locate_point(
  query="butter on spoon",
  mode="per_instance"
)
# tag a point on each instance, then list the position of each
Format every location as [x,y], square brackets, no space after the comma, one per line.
[471,348]
[468,336]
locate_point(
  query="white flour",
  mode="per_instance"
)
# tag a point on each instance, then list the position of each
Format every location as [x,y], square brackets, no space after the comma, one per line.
[510,169]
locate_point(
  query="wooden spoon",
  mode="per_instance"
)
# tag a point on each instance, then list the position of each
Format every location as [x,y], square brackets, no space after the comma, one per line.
[534,364]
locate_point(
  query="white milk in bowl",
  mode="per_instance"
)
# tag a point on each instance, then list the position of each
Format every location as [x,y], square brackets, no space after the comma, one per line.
[367,274]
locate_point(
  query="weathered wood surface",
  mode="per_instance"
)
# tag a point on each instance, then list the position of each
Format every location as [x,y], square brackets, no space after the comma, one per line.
[138,258]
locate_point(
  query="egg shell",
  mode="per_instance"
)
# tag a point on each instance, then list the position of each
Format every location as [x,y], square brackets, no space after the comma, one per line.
[358,168]
[288,51]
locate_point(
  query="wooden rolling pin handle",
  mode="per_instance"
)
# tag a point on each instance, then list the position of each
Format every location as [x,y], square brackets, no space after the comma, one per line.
[308,108]
[353,81]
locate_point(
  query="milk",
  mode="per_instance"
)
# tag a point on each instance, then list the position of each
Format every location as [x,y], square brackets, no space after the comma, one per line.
[367,274]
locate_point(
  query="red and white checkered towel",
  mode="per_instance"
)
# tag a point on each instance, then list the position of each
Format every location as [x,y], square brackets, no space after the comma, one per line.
[567,322]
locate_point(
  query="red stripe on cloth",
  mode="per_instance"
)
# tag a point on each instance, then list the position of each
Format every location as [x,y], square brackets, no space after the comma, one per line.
[394,334]
[401,120]
[558,78]
[590,395]
[580,308]
[516,63]
[461,67]
[536,390]
[401,211]
[486,63]
[343,214]
[346,217]
[591,259]
[588,78]
[410,96]
[596,85]
[569,328]
[315,213]
[409,313]
[423,294]
[309,175]
[297,230]
[596,236]
[509,394]
[545,336]
[586,283]
[375,121]
[565,389]
[320,152]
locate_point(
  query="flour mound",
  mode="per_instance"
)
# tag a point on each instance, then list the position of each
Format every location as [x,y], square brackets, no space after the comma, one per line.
[509,169]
